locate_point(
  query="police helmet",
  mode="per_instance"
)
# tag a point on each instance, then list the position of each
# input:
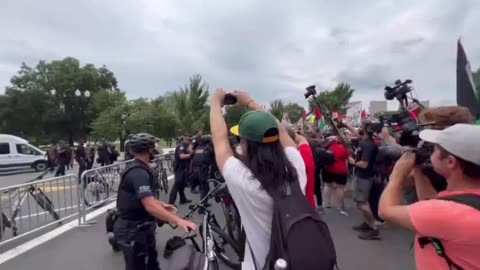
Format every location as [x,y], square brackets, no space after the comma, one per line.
[142,142]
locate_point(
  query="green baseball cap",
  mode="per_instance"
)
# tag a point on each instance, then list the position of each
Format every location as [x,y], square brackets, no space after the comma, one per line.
[257,126]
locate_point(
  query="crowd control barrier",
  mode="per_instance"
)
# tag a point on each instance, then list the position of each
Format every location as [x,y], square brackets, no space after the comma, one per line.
[99,186]
[33,206]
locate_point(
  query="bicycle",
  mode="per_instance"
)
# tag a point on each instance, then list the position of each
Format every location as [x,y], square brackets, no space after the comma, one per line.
[232,216]
[40,198]
[160,174]
[213,237]
[96,185]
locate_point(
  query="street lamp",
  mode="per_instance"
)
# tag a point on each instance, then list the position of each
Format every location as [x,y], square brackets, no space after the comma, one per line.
[79,93]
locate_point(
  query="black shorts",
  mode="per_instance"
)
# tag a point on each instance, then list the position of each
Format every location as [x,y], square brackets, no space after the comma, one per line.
[339,179]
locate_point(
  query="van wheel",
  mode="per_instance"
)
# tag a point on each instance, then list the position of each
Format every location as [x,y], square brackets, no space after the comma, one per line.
[40,166]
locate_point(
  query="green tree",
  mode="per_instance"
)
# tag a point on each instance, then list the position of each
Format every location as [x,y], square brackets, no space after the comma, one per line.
[43,99]
[190,105]
[233,114]
[294,112]
[337,99]
[277,108]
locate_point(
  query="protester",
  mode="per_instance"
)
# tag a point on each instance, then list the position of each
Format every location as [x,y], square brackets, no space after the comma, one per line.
[449,223]
[269,159]
[335,176]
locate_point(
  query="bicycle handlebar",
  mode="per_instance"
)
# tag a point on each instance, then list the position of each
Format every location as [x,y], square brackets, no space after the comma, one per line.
[201,203]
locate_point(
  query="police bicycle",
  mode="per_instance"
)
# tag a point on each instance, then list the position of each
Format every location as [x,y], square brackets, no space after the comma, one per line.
[215,241]
[161,174]
[38,195]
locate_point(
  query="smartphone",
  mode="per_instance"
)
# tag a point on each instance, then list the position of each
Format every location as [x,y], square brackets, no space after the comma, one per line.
[230,99]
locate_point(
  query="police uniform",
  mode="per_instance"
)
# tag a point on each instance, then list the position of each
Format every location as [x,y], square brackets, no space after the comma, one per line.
[135,227]
[180,168]
[202,160]
[127,150]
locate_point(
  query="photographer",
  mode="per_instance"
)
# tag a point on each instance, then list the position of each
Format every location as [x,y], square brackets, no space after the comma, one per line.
[447,235]
[364,174]
[427,182]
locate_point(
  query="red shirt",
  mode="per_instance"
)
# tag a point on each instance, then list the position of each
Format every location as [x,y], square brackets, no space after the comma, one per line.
[341,156]
[307,155]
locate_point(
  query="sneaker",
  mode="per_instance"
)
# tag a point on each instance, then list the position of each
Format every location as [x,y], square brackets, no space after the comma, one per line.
[113,242]
[362,227]
[379,223]
[343,211]
[370,235]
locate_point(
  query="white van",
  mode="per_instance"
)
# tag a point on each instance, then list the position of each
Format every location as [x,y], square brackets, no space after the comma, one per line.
[17,154]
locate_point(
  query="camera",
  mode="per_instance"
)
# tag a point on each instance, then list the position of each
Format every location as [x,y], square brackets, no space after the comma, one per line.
[399,90]
[311,91]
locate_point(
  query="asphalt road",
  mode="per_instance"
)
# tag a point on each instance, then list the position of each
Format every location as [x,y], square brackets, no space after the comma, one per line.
[87,248]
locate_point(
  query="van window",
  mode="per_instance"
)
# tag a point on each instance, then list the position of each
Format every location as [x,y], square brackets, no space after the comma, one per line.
[4,148]
[25,149]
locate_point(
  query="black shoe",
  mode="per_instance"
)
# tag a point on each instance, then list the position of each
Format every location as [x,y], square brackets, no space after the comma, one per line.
[186,201]
[370,235]
[207,204]
[362,227]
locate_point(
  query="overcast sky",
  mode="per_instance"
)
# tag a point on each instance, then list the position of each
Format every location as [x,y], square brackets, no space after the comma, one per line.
[273,49]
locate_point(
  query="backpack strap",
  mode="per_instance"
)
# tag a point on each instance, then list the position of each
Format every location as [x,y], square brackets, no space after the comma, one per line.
[470,199]
[253,255]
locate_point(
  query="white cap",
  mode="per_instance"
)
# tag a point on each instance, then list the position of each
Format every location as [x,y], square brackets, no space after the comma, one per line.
[461,140]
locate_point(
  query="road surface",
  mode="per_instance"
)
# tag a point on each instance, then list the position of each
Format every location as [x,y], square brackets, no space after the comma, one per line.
[87,248]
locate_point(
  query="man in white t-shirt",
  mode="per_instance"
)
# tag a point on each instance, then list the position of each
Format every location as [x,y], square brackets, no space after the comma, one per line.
[269,159]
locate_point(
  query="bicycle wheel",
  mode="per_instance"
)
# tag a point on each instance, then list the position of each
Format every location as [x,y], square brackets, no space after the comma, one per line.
[46,204]
[226,249]
[232,218]
[95,193]
[164,181]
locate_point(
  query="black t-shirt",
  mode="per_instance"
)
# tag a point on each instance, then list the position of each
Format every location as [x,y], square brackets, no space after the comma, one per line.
[181,163]
[366,151]
[136,185]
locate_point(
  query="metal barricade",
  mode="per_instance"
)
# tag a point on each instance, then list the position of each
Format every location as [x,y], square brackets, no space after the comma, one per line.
[100,185]
[34,206]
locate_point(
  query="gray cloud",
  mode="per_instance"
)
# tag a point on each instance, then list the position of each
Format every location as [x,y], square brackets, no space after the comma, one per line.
[272,50]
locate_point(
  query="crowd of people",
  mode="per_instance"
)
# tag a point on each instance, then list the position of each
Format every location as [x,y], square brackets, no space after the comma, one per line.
[61,156]
[438,198]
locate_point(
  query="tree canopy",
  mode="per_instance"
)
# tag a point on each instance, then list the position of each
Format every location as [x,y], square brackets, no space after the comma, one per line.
[64,100]
[336,99]
[42,102]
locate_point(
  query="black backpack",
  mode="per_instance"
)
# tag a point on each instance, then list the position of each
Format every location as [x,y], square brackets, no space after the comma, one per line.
[299,235]
[472,200]
[323,157]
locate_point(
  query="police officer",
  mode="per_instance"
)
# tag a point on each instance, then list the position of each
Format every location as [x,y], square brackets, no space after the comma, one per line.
[137,209]
[202,160]
[181,167]
[127,149]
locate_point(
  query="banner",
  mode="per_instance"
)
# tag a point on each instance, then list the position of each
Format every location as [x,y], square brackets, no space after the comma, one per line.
[354,115]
